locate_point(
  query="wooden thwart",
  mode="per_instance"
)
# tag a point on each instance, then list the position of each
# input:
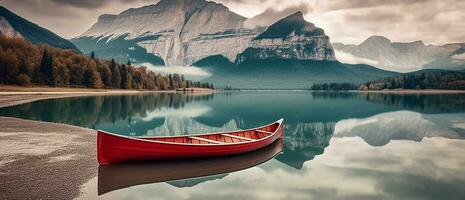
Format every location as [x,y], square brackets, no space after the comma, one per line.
[266,132]
[238,137]
[206,140]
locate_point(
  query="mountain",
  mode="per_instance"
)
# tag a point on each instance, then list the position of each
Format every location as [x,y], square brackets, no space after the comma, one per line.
[291,37]
[15,26]
[285,73]
[182,32]
[397,56]
[454,61]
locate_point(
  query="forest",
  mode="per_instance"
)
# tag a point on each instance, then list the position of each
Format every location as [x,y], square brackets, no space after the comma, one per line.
[23,63]
[449,80]
[335,86]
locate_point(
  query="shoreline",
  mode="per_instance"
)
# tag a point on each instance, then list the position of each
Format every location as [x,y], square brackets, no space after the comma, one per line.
[408,91]
[402,91]
[16,95]
[34,154]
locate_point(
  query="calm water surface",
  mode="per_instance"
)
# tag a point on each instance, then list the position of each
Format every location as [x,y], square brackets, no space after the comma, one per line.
[336,145]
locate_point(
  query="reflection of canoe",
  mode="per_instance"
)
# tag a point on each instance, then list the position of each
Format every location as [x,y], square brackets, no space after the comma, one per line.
[112,148]
[113,177]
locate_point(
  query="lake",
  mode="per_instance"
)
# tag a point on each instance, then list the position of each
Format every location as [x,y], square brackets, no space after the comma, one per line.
[347,145]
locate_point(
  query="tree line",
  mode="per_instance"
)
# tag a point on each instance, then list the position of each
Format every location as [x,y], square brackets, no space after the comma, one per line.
[335,86]
[26,64]
[450,80]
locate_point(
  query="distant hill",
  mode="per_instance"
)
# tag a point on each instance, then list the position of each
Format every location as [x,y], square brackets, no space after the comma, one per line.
[285,74]
[15,26]
[454,61]
[402,56]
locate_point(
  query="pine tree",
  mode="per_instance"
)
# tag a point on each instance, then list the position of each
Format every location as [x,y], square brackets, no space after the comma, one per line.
[46,68]
[170,82]
[92,55]
[126,80]
[115,74]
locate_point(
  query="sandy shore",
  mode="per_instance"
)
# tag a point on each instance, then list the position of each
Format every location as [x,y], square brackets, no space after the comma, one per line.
[41,160]
[15,95]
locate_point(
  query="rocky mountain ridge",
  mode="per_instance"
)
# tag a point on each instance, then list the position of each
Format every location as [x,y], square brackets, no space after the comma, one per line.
[398,56]
[290,38]
[13,25]
[182,32]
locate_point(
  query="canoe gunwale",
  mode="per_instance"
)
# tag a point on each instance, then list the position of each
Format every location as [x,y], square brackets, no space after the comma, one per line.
[142,138]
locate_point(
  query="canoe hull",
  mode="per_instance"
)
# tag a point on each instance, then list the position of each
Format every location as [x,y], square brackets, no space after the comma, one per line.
[114,149]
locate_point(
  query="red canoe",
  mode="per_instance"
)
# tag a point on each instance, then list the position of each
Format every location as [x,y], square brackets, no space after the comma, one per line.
[113,148]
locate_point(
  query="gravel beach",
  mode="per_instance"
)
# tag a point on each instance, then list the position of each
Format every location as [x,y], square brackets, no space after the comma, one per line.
[41,160]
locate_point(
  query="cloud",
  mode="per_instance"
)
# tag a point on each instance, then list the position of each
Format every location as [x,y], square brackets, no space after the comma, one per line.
[90,3]
[271,15]
[68,18]
[352,4]
[351,21]
[380,16]
[459,56]
[80,3]
[192,73]
[432,21]
[352,59]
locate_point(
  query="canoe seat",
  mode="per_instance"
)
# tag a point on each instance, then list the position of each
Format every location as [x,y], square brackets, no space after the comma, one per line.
[266,132]
[237,137]
[206,140]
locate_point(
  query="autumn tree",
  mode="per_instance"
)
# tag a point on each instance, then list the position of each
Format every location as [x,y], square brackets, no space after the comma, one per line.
[105,74]
[24,63]
[60,75]
[8,65]
[91,76]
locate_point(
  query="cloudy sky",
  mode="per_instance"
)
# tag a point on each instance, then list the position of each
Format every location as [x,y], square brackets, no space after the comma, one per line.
[348,21]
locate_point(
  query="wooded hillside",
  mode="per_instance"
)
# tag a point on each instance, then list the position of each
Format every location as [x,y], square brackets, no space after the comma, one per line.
[26,64]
